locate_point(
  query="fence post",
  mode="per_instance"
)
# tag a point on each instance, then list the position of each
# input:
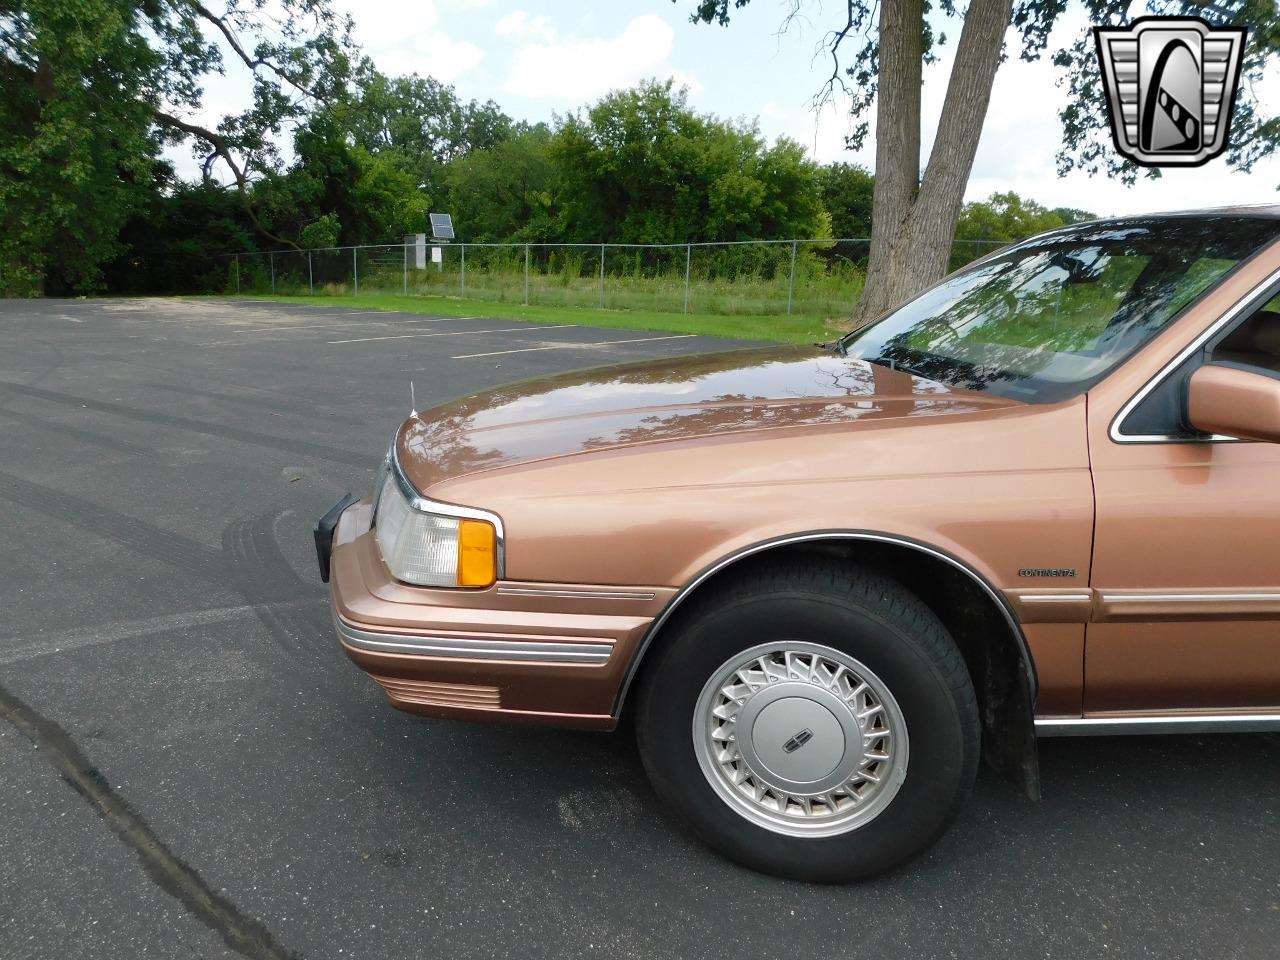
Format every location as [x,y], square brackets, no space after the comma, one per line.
[272,257]
[688,258]
[355,272]
[791,284]
[237,274]
[526,274]
[311,277]
[602,276]
[406,268]
[462,273]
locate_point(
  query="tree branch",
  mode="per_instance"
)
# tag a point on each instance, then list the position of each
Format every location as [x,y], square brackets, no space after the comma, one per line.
[253,63]
[223,149]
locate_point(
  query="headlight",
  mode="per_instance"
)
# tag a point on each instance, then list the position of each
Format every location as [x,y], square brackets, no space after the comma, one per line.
[433,549]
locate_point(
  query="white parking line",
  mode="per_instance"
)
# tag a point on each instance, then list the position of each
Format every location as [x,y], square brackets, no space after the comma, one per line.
[61,641]
[571,345]
[272,327]
[456,333]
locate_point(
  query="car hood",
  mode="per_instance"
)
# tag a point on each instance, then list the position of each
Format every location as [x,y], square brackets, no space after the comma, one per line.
[682,399]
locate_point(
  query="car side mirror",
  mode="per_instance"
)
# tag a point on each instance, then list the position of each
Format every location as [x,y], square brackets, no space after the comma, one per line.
[1235,403]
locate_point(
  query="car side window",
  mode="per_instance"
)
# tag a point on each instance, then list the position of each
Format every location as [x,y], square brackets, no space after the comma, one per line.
[1252,341]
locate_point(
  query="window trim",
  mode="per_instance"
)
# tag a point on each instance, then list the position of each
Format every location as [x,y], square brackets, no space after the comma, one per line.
[1251,300]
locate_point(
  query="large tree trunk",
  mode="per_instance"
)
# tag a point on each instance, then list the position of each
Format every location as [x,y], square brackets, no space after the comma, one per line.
[913,229]
[897,149]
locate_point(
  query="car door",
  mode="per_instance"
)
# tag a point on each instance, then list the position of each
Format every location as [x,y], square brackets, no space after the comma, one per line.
[1186,565]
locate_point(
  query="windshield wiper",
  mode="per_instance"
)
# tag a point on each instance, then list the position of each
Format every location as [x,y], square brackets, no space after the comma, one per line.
[900,367]
[835,346]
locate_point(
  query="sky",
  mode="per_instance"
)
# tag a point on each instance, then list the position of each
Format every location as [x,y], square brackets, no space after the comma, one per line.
[538,58]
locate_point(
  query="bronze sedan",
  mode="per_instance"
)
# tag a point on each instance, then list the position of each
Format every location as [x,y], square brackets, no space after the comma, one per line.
[1043,498]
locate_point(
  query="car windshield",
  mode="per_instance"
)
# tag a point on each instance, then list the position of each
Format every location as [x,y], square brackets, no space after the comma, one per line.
[1048,318]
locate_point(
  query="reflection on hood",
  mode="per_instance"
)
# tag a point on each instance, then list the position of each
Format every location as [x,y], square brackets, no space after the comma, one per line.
[706,395]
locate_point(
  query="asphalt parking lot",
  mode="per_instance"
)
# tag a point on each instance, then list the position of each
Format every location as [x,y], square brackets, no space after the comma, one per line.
[190,767]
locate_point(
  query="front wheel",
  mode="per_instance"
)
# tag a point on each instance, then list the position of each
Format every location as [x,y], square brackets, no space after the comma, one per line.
[810,720]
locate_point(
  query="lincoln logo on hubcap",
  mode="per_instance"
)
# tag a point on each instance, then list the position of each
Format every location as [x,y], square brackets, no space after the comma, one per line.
[798,741]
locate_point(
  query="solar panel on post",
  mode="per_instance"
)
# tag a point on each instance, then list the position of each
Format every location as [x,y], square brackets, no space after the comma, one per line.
[441,226]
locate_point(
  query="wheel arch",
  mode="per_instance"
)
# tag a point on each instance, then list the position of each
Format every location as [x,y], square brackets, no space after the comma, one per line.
[976,613]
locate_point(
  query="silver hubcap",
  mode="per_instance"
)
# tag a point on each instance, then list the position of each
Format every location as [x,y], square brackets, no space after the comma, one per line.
[800,739]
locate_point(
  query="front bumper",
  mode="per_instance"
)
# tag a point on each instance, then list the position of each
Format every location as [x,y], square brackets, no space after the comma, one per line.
[517,651]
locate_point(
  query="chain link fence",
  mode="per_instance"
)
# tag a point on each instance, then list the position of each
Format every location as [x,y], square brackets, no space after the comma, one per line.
[820,278]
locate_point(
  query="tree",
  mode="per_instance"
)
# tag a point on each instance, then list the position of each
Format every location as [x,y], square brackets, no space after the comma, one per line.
[1006,217]
[846,193]
[915,210]
[177,239]
[640,166]
[338,191]
[506,192]
[94,87]
[421,122]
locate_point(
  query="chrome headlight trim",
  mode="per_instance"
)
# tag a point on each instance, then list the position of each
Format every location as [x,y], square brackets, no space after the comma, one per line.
[416,501]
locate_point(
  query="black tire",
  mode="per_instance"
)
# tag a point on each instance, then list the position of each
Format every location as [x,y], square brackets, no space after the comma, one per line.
[868,617]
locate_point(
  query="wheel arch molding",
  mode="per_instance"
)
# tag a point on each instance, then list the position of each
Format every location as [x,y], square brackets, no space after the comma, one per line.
[978,615]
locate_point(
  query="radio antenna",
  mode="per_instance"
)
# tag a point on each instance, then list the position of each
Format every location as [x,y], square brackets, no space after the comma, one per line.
[413,402]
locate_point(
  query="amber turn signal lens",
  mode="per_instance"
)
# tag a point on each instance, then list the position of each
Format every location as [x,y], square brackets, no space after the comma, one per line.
[477,553]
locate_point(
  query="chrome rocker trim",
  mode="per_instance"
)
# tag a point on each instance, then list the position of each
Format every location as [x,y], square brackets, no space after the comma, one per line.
[1169,723]
[470,648]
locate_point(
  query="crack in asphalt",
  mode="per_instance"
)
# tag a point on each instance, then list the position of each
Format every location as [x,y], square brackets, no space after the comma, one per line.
[241,933]
[250,564]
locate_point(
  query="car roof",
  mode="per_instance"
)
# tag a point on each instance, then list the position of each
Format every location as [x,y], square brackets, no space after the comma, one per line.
[1236,210]
[1256,210]
[1260,211]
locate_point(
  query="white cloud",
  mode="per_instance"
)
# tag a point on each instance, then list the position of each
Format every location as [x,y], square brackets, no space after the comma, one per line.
[435,54]
[688,80]
[513,24]
[404,36]
[519,24]
[578,69]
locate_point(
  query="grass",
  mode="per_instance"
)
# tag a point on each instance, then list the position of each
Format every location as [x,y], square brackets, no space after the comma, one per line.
[782,329]
[744,293]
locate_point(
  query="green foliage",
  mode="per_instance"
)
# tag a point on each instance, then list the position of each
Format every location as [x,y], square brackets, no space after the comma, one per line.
[846,192]
[93,88]
[176,241]
[1007,217]
[363,196]
[321,232]
[388,200]
[506,192]
[641,167]
[420,122]
[76,149]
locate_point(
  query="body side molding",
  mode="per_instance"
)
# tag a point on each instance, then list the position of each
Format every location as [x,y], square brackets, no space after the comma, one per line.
[1158,724]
